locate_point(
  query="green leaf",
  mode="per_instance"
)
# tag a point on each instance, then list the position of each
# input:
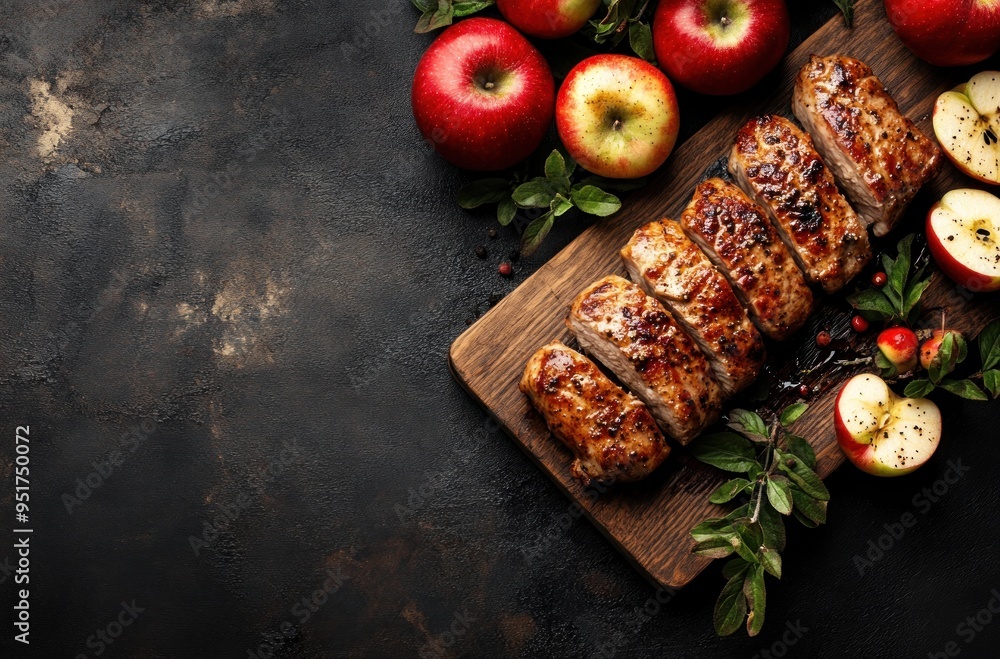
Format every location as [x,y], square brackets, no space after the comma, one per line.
[753,590]
[730,608]
[792,413]
[847,9]
[750,534]
[911,299]
[918,388]
[713,527]
[899,269]
[432,20]
[483,191]
[805,521]
[506,210]
[536,193]
[535,233]
[424,5]
[946,359]
[964,388]
[640,37]
[466,7]
[615,184]
[779,495]
[748,423]
[560,205]
[717,547]
[727,451]
[801,449]
[556,172]
[747,551]
[735,567]
[989,345]
[991,380]
[728,490]
[809,507]
[872,304]
[594,201]
[886,368]
[806,479]
[772,526]
[771,561]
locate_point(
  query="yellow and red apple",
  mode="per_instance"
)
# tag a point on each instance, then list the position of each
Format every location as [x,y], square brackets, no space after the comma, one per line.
[617,116]
[548,19]
[963,234]
[899,345]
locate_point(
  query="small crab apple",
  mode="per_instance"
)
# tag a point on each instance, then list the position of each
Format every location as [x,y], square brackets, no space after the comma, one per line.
[930,349]
[899,345]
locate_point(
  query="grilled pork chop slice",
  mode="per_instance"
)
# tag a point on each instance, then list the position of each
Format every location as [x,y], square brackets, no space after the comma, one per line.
[880,158]
[775,162]
[671,268]
[634,336]
[610,431]
[736,235]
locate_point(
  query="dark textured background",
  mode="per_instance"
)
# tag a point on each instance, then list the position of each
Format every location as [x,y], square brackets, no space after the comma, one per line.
[219,230]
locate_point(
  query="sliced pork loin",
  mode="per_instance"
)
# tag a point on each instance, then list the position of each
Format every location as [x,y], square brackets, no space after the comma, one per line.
[610,431]
[735,233]
[880,158]
[776,163]
[634,336]
[671,268]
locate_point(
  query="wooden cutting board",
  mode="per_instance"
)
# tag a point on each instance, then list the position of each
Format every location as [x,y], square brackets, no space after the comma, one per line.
[649,521]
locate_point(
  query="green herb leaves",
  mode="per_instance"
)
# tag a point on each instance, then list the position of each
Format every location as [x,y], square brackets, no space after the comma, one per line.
[755,530]
[899,299]
[440,13]
[625,17]
[847,9]
[953,352]
[554,192]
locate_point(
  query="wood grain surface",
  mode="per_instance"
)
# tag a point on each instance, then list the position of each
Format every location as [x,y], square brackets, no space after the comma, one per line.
[649,521]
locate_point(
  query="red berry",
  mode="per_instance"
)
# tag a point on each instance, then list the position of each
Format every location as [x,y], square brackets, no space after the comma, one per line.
[823,339]
[879,279]
[804,390]
[505,269]
[859,324]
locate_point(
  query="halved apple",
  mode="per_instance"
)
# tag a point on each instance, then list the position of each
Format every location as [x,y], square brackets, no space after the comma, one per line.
[967,125]
[882,433]
[963,234]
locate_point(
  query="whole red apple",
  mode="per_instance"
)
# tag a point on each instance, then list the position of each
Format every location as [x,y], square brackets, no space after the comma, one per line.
[947,32]
[482,95]
[720,47]
[617,116]
[548,19]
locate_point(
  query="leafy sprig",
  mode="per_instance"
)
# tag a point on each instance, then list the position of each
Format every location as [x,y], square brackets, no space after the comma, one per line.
[554,192]
[953,351]
[777,480]
[436,14]
[625,17]
[847,9]
[899,299]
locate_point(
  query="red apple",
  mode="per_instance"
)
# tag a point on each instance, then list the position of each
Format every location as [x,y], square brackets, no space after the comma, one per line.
[930,349]
[548,19]
[482,95]
[947,32]
[720,47]
[967,125]
[963,234]
[882,433]
[617,116]
[899,345]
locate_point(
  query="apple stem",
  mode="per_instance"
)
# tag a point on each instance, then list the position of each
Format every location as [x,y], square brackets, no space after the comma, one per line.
[617,125]
[725,20]
[489,84]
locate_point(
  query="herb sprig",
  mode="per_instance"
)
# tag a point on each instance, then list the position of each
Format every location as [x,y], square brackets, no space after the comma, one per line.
[436,14]
[847,9]
[899,299]
[778,480]
[953,351]
[554,192]
[626,17]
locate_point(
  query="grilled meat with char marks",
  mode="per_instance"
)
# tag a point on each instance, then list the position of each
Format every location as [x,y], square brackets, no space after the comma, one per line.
[776,163]
[879,157]
[610,431]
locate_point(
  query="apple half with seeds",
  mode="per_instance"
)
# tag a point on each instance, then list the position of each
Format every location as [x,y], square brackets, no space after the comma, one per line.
[881,433]
[963,235]
[967,125]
